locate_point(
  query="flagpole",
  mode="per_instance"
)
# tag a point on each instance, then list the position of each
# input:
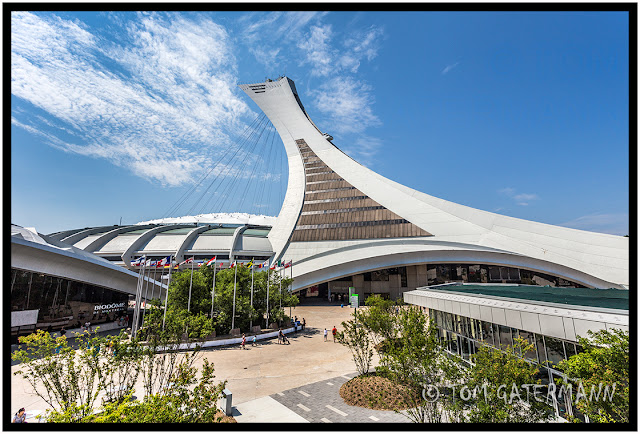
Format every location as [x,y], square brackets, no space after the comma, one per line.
[233,313]
[133,316]
[146,293]
[280,276]
[166,294]
[213,289]
[268,269]
[251,311]
[136,309]
[190,285]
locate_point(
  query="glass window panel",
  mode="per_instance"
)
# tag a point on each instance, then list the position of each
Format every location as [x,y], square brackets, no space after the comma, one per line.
[542,357]
[487,333]
[505,336]
[530,338]
[453,343]
[464,347]
[514,339]
[570,349]
[555,350]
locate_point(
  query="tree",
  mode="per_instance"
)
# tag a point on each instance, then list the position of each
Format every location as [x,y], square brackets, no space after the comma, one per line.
[379,320]
[69,380]
[224,289]
[496,387]
[356,338]
[63,377]
[602,366]
[417,361]
[189,400]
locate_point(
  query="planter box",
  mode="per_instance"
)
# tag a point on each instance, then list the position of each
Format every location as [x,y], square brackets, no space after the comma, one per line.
[235,332]
[273,326]
[255,329]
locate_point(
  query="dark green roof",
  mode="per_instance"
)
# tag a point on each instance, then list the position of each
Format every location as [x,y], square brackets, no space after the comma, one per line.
[602,298]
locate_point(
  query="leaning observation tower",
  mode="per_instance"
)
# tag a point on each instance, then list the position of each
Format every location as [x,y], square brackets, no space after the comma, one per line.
[341,219]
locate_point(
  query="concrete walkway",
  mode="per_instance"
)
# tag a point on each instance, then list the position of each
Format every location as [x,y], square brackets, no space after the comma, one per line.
[265,409]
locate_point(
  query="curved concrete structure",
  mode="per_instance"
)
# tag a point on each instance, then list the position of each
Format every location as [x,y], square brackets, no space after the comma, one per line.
[340,218]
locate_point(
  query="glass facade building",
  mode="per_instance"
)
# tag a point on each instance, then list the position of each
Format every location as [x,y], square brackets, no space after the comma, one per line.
[464,336]
[62,302]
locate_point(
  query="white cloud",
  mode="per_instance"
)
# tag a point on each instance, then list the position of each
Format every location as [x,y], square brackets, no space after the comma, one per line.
[615,223]
[521,199]
[347,103]
[364,149]
[449,68]
[168,93]
[317,51]
[326,58]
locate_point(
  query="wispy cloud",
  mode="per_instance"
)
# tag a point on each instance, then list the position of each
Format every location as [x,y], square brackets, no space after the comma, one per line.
[521,199]
[614,224]
[449,68]
[150,106]
[364,149]
[326,58]
[347,103]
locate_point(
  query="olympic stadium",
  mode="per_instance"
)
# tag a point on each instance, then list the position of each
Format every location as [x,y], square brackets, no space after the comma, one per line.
[343,225]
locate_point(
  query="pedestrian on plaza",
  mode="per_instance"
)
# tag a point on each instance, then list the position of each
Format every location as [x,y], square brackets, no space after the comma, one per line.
[280,336]
[253,342]
[244,339]
[325,334]
[304,323]
[334,331]
[19,417]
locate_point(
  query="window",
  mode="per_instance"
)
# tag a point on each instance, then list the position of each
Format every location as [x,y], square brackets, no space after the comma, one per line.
[487,333]
[505,336]
[542,357]
[555,350]
[464,347]
[530,338]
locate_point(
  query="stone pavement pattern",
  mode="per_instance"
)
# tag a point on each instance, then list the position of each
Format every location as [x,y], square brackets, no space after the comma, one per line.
[321,402]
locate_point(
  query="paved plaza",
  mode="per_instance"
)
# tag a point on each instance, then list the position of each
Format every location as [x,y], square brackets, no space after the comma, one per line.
[270,382]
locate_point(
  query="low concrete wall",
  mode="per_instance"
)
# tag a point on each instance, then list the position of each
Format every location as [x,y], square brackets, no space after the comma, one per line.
[232,341]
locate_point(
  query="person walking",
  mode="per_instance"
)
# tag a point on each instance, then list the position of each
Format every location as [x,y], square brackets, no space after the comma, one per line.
[304,323]
[325,334]
[280,336]
[253,342]
[19,417]
[334,331]
[244,340]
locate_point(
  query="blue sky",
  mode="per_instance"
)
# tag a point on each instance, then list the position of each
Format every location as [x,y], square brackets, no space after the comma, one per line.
[118,114]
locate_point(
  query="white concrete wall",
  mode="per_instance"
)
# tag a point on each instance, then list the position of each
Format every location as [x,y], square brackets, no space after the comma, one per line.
[548,319]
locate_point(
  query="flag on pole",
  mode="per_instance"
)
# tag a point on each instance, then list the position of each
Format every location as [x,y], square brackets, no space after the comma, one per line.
[273,267]
[138,261]
[186,261]
[166,262]
[200,263]
[280,263]
[231,265]
[250,264]
[265,264]
[211,261]
[288,264]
